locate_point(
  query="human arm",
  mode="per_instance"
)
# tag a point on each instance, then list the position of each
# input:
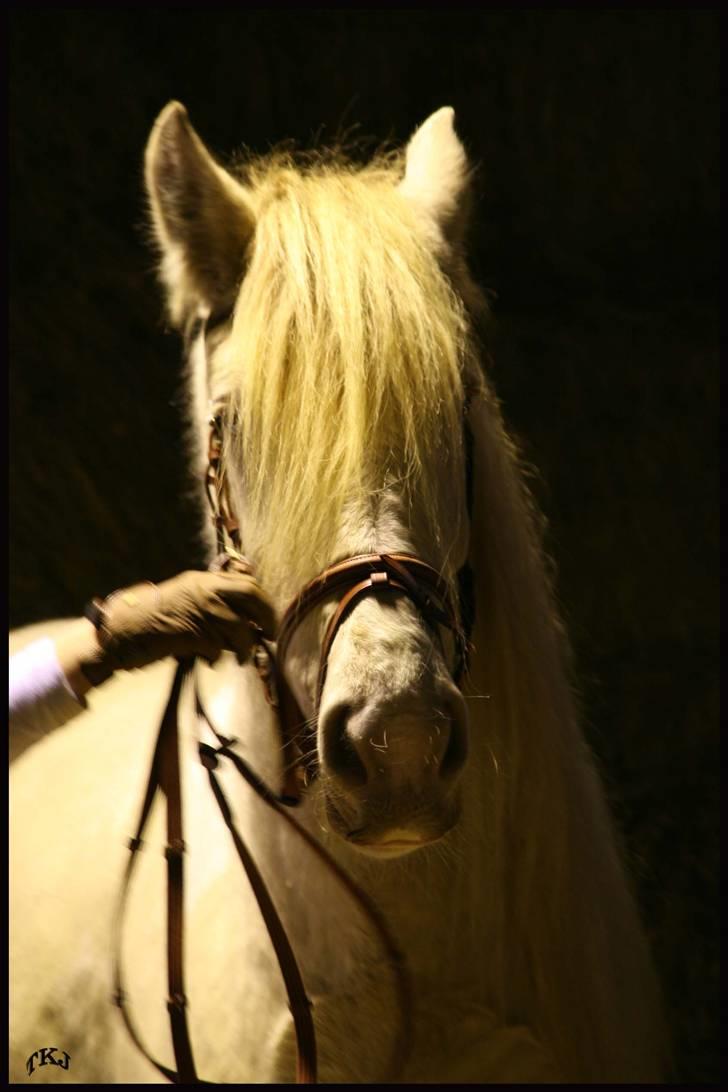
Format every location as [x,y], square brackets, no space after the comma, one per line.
[193,614]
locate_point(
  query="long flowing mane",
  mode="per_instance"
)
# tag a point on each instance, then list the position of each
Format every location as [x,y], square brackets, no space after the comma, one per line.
[566,935]
[346,356]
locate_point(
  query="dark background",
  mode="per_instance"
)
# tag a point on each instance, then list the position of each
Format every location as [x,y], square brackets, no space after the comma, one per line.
[596,227]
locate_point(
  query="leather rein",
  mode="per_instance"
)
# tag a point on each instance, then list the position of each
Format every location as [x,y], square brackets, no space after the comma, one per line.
[350,580]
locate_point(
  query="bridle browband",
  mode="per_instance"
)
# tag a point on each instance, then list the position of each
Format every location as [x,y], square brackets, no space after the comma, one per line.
[351,580]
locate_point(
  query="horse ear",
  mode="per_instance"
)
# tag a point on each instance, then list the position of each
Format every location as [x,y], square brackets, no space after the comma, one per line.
[437,174]
[201,217]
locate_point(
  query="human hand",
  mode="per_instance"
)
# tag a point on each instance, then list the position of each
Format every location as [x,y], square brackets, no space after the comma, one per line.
[193,614]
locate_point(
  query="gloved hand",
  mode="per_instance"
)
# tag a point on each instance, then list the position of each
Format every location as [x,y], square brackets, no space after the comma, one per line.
[194,614]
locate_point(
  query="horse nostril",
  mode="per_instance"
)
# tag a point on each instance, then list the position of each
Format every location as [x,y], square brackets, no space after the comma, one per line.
[370,744]
[339,753]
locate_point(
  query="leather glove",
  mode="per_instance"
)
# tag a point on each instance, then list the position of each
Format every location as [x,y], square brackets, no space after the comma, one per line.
[194,614]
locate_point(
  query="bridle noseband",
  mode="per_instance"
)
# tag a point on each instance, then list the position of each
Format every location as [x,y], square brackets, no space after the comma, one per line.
[372,574]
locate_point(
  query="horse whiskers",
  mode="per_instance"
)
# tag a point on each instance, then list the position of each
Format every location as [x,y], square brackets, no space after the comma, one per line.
[304,757]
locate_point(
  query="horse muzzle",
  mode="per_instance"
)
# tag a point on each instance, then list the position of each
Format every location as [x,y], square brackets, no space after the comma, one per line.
[390,771]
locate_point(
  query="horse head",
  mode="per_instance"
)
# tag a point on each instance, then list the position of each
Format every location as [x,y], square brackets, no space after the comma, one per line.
[323,302]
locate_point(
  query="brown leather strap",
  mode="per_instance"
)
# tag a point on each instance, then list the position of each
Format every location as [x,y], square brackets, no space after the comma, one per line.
[299,1003]
[169,782]
[291,721]
[402,1043]
[164,775]
[216,484]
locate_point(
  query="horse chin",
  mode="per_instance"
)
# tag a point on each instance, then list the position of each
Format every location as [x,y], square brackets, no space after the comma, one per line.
[381,833]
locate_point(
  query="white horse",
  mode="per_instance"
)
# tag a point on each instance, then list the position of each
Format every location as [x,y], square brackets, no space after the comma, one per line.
[340,331]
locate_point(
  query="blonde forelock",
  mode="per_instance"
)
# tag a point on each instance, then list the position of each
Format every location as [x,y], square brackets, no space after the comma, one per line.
[344,364]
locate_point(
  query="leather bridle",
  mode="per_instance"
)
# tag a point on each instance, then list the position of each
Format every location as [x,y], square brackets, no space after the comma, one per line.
[351,580]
